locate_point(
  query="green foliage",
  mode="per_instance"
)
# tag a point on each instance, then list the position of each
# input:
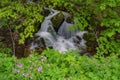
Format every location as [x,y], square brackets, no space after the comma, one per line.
[4,23]
[53,65]
[61,4]
[111,21]
[4,51]
[6,67]
[23,17]
[101,17]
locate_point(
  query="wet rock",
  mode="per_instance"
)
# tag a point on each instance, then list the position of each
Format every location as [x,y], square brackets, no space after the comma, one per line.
[22,51]
[70,20]
[2,38]
[89,37]
[117,36]
[91,42]
[57,20]
[27,51]
[39,50]
[45,12]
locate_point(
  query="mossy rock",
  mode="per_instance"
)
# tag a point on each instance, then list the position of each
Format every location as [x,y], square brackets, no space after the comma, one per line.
[89,37]
[57,20]
[45,12]
[1,38]
[70,20]
[91,42]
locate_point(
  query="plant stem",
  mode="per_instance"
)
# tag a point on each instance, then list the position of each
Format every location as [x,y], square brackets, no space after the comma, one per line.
[13,42]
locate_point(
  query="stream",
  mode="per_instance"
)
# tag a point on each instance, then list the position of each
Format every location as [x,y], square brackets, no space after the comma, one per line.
[63,39]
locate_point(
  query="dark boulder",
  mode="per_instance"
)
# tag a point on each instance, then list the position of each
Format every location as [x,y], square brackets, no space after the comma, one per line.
[91,42]
[57,20]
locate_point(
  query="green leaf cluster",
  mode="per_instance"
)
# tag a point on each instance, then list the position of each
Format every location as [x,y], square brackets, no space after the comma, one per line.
[23,17]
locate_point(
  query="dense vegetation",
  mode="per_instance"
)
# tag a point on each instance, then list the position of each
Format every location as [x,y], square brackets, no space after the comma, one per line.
[52,65]
[102,18]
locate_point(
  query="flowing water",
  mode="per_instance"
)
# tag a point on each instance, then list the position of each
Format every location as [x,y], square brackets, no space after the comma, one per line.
[62,40]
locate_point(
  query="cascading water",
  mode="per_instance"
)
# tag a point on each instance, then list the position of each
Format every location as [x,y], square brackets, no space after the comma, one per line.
[62,40]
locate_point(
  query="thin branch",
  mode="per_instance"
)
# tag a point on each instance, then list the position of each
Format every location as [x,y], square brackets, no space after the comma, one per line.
[13,42]
[96,36]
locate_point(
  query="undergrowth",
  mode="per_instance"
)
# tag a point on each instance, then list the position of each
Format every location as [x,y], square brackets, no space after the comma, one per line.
[53,65]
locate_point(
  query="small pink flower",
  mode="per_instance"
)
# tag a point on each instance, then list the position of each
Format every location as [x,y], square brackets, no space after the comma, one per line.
[39,69]
[19,65]
[25,74]
[43,57]
[30,77]
[34,65]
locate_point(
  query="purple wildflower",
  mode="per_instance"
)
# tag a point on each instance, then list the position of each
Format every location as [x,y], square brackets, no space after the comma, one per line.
[30,77]
[43,57]
[39,69]
[19,65]
[25,74]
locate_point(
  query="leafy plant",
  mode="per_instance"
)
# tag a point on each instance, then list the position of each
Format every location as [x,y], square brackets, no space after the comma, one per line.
[23,17]
[54,65]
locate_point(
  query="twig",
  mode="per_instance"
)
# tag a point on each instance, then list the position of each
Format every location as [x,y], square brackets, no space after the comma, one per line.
[96,36]
[13,42]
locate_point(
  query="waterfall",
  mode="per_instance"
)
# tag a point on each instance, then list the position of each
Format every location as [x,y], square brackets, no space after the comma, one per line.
[62,40]
[63,31]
